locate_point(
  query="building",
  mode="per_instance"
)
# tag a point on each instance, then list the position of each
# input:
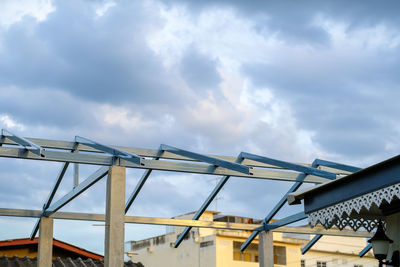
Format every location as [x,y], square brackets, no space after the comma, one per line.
[25,247]
[205,247]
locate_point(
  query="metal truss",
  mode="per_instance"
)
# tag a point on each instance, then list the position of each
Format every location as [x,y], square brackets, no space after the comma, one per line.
[246,165]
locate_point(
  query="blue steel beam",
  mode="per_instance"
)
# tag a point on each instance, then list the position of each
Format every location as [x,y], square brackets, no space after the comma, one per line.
[310,244]
[290,166]
[365,250]
[335,165]
[28,145]
[214,161]
[110,150]
[277,207]
[88,182]
[205,204]
[50,197]
[140,184]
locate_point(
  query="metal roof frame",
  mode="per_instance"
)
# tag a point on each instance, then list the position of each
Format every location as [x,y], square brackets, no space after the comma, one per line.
[246,165]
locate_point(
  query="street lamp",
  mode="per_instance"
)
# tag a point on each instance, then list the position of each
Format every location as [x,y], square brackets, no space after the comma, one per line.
[380,245]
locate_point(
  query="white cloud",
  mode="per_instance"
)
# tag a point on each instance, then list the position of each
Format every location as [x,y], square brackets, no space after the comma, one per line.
[12,11]
[10,124]
[102,9]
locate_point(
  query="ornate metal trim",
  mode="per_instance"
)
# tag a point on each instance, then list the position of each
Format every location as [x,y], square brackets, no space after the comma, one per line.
[342,214]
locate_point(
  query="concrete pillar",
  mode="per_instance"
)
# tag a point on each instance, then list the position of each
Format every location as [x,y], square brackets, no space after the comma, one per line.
[115,218]
[266,249]
[45,246]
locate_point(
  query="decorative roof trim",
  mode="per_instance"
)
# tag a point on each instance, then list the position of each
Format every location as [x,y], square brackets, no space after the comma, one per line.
[340,214]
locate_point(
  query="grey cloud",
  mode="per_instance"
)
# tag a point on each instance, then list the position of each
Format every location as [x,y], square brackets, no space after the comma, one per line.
[293,20]
[102,59]
[199,71]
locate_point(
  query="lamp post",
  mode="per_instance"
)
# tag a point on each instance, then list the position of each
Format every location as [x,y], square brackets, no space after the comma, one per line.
[380,246]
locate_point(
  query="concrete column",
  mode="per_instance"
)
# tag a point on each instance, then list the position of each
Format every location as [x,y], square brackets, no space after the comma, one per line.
[115,218]
[266,249]
[45,246]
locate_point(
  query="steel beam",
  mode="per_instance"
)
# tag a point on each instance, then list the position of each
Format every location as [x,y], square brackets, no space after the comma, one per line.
[180,222]
[365,250]
[336,165]
[290,166]
[188,167]
[28,145]
[143,152]
[92,179]
[110,150]
[205,204]
[50,197]
[214,161]
[310,244]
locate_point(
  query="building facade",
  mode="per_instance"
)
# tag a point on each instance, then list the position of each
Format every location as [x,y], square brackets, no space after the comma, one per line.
[205,247]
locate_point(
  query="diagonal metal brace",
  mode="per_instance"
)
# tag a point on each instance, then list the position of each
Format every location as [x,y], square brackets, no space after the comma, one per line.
[110,150]
[211,160]
[28,145]
[290,166]
[278,206]
[205,205]
[88,182]
[140,184]
[310,244]
[365,250]
[50,197]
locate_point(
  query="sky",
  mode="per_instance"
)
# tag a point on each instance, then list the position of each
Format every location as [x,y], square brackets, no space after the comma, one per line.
[291,80]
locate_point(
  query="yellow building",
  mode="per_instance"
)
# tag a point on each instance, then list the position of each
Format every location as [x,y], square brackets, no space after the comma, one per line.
[205,247]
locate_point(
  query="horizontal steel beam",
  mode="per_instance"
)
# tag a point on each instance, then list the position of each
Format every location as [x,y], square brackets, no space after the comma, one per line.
[88,182]
[179,222]
[211,160]
[59,156]
[152,153]
[285,221]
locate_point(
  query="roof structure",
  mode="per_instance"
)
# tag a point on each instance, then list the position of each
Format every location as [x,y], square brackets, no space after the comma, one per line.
[56,243]
[358,200]
[365,196]
[68,262]
[165,158]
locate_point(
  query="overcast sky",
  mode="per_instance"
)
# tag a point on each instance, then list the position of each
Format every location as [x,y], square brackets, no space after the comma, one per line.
[292,80]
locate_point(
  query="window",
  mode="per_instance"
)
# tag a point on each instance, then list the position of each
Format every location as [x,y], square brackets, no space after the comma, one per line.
[250,255]
[321,263]
[303,263]
[280,255]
